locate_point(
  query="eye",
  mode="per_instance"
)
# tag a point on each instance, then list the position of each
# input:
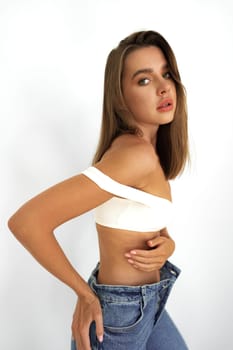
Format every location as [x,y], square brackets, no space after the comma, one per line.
[167,75]
[144,81]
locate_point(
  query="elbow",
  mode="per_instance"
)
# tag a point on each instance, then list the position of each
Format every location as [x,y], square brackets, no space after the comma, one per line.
[25,223]
[20,224]
[13,224]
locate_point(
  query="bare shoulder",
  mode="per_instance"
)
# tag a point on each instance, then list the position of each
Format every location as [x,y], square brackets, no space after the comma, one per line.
[129,160]
[136,150]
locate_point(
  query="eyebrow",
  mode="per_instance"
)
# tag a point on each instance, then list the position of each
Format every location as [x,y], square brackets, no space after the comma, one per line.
[147,70]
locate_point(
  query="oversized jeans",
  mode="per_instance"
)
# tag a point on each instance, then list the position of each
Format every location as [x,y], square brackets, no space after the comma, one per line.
[135,317]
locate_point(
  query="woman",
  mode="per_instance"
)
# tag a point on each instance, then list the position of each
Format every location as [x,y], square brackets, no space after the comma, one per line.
[143,144]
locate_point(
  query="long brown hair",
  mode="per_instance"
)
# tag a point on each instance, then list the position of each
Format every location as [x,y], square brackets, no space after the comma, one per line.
[172,138]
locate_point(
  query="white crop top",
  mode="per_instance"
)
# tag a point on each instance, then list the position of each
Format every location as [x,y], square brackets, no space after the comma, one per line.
[132,209]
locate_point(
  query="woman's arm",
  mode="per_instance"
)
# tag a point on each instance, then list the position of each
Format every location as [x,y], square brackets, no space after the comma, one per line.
[33,225]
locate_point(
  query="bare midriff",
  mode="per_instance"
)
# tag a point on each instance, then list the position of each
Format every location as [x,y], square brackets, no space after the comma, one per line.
[114,267]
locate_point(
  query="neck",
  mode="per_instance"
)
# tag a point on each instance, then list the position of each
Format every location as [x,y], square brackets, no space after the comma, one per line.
[149,134]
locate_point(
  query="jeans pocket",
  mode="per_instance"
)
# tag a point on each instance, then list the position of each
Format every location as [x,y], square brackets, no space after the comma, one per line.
[122,316]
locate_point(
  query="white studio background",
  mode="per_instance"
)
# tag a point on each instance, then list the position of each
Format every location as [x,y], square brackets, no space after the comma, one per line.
[52,57]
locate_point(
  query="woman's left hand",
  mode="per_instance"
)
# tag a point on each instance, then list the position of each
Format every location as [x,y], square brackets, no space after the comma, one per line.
[152,259]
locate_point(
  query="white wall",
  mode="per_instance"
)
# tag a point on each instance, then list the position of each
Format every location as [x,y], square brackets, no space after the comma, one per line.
[52,57]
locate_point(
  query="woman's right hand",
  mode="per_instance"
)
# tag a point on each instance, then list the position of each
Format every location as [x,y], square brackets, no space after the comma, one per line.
[87,310]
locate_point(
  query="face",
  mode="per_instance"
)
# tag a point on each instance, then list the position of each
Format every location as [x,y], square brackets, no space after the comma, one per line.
[148,89]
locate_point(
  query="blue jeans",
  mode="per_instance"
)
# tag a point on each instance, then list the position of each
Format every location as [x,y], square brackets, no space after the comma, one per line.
[134,316]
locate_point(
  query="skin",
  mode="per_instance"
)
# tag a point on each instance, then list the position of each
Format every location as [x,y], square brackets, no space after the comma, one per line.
[126,257]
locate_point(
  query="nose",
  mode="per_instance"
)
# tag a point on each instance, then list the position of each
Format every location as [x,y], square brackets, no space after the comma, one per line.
[163,88]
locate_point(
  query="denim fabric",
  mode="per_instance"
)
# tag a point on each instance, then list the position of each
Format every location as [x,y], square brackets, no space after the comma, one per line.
[134,316]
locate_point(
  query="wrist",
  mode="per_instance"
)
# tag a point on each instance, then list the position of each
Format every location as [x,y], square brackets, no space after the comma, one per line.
[86,293]
[82,289]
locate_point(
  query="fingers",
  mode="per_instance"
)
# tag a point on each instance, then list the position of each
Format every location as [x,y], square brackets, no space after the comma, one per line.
[146,263]
[148,267]
[151,259]
[80,333]
[99,326]
[85,313]
[145,260]
[83,339]
[147,253]
[154,242]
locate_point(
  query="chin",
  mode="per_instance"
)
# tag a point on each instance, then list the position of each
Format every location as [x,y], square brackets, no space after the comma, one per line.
[166,121]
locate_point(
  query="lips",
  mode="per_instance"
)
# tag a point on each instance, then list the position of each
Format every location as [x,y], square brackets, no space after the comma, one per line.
[165,105]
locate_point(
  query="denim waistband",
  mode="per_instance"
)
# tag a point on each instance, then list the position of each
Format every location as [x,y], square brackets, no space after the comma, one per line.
[121,293]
